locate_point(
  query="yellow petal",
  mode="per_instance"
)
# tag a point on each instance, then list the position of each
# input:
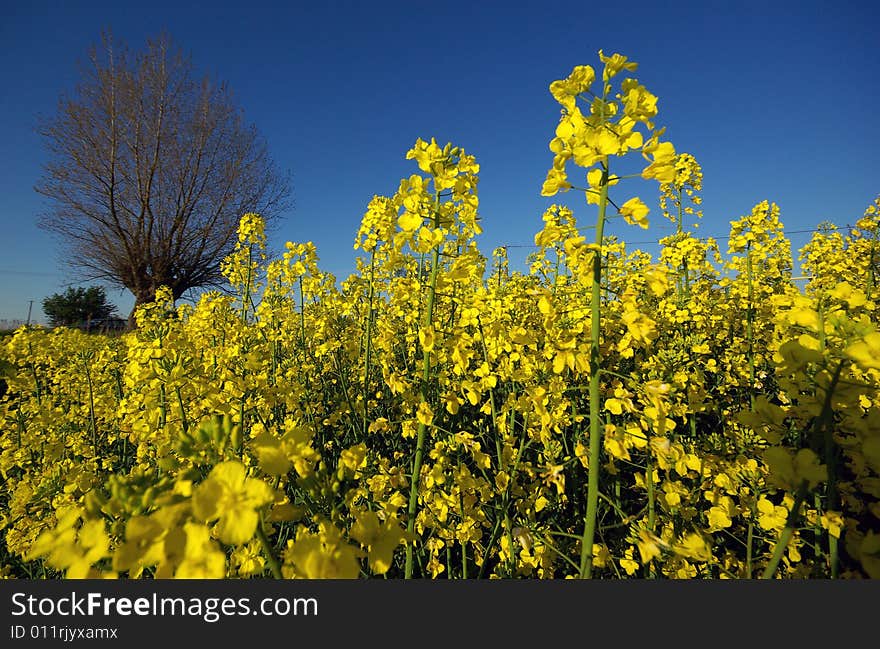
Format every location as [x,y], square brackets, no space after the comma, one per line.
[237,526]
[409,222]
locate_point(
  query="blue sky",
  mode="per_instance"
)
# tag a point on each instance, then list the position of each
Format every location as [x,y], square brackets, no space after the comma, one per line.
[776,100]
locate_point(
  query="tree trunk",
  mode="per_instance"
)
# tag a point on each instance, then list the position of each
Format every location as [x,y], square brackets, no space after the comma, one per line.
[140,297]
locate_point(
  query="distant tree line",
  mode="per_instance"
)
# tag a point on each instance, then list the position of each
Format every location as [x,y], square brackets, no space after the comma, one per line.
[85,307]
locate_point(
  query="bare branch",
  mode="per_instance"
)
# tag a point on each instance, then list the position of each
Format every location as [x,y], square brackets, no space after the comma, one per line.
[150,170]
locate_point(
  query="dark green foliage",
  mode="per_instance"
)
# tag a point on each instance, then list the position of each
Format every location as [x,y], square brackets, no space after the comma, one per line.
[78,307]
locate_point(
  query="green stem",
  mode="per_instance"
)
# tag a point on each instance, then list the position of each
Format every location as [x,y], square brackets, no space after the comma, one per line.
[302,317]
[683,284]
[449,560]
[271,559]
[749,542]
[498,444]
[92,421]
[183,418]
[426,376]
[33,368]
[345,391]
[871,271]
[505,502]
[750,315]
[304,350]
[821,424]
[586,564]
[247,286]
[368,345]
[19,417]
[787,533]
[464,561]
[162,406]
[498,449]
[649,483]
[831,465]
[680,219]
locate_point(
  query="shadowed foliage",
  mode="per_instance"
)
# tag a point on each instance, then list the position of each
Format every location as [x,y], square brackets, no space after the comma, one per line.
[77,305]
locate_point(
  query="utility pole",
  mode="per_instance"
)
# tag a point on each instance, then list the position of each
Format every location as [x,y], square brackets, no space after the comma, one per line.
[30,304]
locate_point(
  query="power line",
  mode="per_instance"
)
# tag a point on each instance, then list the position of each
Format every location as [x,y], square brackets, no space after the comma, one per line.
[6,271]
[641,243]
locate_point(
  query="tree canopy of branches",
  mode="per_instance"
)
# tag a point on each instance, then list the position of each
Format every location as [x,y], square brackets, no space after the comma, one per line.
[77,305]
[150,170]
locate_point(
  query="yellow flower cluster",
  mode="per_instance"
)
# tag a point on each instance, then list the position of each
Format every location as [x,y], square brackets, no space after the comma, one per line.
[602,414]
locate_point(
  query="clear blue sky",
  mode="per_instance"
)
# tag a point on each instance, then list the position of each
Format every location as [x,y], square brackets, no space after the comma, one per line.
[777,101]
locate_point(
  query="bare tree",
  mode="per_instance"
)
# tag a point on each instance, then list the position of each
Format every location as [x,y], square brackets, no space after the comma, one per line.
[150,171]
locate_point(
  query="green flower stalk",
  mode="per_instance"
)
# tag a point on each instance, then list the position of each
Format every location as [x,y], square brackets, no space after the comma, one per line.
[586,563]
[426,377]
